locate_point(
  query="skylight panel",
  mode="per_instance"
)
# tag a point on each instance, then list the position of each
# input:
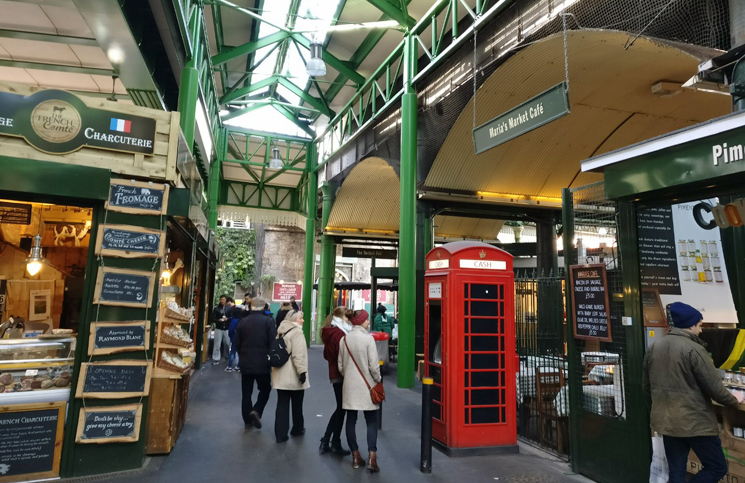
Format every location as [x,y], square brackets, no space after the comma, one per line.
[267,119]
[289,95]
[276,14]
[314,16]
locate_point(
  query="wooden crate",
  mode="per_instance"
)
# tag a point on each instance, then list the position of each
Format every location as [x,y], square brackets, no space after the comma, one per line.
[169,396]
[160,166]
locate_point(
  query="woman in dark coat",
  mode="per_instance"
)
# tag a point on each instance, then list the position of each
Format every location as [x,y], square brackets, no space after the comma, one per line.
[334,328]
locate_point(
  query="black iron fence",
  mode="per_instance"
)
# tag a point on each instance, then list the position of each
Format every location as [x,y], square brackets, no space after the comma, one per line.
[542,391]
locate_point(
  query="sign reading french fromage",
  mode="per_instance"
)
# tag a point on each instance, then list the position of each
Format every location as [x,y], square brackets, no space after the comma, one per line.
[137,197]
[58,122]
[532,114]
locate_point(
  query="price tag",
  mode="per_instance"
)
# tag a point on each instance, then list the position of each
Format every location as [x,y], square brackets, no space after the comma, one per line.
[32,372]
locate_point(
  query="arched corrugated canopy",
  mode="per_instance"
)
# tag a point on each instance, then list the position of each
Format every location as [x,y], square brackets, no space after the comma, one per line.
[368,203]
[612,105]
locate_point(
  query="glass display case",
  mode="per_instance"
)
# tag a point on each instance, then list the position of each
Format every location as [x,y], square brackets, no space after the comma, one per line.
[36,369]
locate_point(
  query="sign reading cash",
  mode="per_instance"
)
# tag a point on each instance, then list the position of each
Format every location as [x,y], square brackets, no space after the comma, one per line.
[542,109]
[58,122]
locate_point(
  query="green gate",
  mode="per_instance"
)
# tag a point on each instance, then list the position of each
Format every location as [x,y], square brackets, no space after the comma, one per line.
[608,416]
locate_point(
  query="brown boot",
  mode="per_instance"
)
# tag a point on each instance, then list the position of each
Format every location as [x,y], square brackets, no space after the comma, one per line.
[357,461]
[372,462]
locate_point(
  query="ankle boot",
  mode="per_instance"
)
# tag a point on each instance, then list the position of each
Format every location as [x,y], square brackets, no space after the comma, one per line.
[357,461]
[337,449]
[324,448]
[372,462]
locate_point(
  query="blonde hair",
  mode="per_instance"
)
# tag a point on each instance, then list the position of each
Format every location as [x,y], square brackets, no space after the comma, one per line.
[337,312]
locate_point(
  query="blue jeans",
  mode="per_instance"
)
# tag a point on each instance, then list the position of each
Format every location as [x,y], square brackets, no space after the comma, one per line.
[709,451]
[233,355]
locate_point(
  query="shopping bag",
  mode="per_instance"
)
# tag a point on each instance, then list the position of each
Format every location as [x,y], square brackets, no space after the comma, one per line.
[658,470]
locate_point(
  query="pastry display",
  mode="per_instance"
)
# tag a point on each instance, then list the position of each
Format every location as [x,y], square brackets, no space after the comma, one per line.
[173,359]
[178,332]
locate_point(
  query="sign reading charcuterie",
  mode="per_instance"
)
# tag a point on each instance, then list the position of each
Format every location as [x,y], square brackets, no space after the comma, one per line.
[58,122]
[124,288]
[136,197]
[130,242]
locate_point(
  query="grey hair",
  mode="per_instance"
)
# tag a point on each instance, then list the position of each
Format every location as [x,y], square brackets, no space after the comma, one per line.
[258,302]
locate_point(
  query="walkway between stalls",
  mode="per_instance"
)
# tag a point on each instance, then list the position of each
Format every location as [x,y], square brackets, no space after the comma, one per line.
[214,446]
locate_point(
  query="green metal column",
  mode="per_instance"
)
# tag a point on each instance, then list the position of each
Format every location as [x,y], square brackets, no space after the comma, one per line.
[328,252]
[575,391]
[310,240]
[407,231]
[189,89]
[214,184]
[423,246]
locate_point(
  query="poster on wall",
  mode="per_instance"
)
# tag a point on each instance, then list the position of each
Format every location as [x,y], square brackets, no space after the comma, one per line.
[680,254]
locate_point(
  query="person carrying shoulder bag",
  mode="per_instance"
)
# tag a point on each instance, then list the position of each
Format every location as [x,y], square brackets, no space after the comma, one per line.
[291,378]
[358,363]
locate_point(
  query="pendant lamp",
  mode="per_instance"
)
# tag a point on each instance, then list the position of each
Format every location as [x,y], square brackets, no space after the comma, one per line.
[276,161]
[315,66]
[35,260]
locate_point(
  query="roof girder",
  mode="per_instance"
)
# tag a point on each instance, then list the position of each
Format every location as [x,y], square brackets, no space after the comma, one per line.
[395,12]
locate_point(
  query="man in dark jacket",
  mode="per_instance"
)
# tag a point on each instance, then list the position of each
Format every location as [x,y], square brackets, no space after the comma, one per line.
[220,323]
[680,380]
[253,337]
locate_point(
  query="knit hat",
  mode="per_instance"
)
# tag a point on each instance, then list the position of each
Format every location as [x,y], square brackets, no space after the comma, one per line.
[360,318]
[684,316]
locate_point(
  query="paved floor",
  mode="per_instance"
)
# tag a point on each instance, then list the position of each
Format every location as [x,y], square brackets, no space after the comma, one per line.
[215,446]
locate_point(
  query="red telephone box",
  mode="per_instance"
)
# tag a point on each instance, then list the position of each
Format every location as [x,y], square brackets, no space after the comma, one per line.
[469,343]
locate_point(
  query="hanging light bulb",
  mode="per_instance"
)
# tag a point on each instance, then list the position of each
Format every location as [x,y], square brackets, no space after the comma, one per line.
[276,161]
[315,67]
[166,275]
[35,260]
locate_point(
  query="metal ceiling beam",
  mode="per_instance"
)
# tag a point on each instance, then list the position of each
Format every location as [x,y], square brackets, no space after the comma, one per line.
[249,47]
[262,103]
[38,37]
[393,11]
[73,69]
[312,101]
[248,12]
[291,116]
[340,65]
[251,58]
[244,91]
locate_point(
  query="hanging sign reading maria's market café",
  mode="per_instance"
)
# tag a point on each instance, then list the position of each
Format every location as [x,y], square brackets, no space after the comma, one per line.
[58,122]
[532,114]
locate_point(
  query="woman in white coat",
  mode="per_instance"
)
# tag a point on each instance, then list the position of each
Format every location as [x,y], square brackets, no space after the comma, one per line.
[291,380]
[359,346]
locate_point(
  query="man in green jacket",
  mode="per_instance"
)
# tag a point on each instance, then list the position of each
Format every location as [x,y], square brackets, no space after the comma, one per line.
[382,322]
[680,380]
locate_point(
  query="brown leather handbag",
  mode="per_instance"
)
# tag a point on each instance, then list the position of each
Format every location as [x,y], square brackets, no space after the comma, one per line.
[377,392]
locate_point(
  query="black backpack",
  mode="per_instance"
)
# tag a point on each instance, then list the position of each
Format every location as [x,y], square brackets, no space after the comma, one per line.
[278,355]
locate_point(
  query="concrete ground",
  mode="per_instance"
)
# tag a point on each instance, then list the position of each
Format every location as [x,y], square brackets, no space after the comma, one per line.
[214,445]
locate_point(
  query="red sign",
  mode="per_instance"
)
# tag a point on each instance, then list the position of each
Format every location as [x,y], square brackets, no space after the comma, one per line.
[382,296]
[283,291]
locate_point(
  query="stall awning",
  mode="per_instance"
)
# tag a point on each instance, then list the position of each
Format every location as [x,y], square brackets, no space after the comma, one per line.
[258,215]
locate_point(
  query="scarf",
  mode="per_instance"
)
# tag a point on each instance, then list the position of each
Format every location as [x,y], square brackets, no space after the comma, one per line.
[344,326]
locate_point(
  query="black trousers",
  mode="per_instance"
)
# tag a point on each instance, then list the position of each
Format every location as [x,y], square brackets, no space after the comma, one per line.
[371,420]
[336,423]
[264,383]
[282,416]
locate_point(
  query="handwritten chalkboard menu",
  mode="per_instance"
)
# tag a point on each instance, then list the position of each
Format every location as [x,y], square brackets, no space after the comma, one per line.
[654,312]
[109,424]
[130,242]
[31,441]
[136,197]
[112,337]
[114,379]
[125,288]
[589,290]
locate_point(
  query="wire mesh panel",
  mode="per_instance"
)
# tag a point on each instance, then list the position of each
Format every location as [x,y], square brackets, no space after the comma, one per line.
[603,366]
[542,395]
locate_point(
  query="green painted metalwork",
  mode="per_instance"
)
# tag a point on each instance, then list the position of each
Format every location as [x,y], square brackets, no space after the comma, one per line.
[394,12]
[72,69]
[41,179]
[250,47]
[214,186]
[189,88]
[310,240]
[250,195]
[328,256]
[407,231]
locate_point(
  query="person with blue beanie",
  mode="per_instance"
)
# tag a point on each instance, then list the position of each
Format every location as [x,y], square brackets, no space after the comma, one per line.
[680,382]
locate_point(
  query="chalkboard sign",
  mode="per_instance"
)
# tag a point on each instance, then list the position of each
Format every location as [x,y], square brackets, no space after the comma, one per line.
[137,197]
[112,337]
[654,312]
[109,424]
[114,379]
[31,441]
[130,242]
[125,288]
[589,289]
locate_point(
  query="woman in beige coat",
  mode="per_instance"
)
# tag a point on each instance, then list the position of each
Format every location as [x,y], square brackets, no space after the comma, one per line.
[360,345]
[291,380]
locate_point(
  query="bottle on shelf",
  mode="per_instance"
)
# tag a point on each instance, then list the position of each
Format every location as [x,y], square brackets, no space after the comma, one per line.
[705,259]
[709,275]
[682,247]
[713,249]
[691,246]
[718,275]
[700,268]
[686,274]
[704,248]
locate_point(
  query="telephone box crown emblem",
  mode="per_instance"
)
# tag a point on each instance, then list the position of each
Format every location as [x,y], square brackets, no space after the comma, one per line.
[482,254]
[439,255]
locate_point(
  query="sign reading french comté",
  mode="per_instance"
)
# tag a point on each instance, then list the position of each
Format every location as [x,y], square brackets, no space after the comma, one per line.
[58,122]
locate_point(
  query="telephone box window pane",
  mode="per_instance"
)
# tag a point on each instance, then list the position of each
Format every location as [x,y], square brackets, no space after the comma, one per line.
[501,361]
[489,292]
[466,398]
[485,415]
[468,361]
[485,309]
[501,292]
[466,345]
[485,379]
[501,309]
[485,397]
[435,327]
[437,411]
[501,376]
[504,418]
[436,393]
[485,344]
[468,416]
[485,361]
[465,290]
[465,308]
[485,326]
[467,380]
